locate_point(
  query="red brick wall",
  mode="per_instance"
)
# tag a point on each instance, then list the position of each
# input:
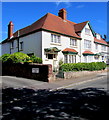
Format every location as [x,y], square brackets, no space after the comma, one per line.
[40,72]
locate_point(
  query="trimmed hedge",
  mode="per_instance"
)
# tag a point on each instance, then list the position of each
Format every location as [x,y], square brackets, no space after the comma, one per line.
[4,57]
[19,57]
[83,66]
[35,59]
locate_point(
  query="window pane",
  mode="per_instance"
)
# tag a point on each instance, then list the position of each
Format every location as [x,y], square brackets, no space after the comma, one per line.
[87,31]
[65,59]
[50,56]
[87,44]
[73,42]
[51,37]
[69,58]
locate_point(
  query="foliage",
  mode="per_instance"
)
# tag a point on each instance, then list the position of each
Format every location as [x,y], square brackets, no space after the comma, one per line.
[60,62]
[18,57]
[35,59]
[83,66]
[4,57]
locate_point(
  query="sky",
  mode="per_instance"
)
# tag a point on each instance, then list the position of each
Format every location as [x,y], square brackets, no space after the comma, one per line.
[23,14]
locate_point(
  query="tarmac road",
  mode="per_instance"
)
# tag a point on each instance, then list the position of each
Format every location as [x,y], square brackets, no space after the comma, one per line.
[98,81]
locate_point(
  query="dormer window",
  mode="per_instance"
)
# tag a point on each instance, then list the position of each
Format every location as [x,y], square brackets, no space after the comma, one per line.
[87,31]
[98,36]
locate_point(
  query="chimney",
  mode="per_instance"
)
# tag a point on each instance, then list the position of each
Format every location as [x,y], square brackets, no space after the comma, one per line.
[10,29]
[62,13]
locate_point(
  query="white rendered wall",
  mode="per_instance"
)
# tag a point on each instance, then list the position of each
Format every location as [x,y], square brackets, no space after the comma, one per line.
[31,44]
[65,43]
[5,48]
[87,37]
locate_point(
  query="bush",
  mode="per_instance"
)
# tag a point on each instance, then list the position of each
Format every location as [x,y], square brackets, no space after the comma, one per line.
[4,57]
[83,66]
[35,59]
[18,57]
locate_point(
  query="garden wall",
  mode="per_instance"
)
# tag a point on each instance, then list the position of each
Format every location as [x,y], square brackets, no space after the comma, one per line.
[41,72]
[77,74]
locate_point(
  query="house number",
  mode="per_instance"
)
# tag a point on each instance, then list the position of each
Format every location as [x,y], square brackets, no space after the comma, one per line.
[35,70]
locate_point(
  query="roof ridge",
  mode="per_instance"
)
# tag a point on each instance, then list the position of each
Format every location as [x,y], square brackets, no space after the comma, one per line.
[82,22]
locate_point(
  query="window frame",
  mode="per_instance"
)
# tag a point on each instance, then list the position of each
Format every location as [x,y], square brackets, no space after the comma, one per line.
[55,38]
[87,44]
[87,31]
[73,42]
[12,45]
[21,45]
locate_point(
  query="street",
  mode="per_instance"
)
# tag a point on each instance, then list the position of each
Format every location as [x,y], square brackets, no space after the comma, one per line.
[98,81]
[79,100]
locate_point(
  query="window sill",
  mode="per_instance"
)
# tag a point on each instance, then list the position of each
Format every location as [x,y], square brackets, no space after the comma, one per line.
[46,59]
[20,50]
[73,46]
[55,44]
[11,48]
[88,34]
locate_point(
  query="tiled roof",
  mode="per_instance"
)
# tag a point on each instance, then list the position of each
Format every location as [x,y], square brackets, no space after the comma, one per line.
[50,22]
[69,50]
[88,52]
[100,41]
[78,27]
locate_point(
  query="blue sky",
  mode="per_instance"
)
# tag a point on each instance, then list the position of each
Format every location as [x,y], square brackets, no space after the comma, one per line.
[25,13]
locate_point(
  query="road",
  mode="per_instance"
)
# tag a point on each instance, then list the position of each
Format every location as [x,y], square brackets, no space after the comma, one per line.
[100,81]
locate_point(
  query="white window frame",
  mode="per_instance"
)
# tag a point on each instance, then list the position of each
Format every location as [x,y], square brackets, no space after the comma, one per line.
[73,42]
[87,44]
[87,31]
[55,38]
[96,46]
[65,58]
[103,47]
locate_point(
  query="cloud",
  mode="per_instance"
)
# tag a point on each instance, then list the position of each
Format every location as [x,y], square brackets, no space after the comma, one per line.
[66,2]
[80,6]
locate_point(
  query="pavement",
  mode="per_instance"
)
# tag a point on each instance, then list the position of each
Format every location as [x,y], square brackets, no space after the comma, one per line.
[9,81]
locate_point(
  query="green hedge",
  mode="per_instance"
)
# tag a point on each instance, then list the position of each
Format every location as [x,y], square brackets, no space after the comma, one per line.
[83,66]
[4,57]
[35,59]
[20,57]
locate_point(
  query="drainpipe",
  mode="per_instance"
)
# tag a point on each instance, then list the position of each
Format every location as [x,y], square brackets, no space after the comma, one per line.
[80,50]
[18,40]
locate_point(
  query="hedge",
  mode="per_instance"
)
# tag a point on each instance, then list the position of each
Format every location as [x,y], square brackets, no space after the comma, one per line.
[4,57]
[93,66]
[19,57]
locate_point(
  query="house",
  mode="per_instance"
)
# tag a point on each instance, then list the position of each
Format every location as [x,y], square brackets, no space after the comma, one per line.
[54,38]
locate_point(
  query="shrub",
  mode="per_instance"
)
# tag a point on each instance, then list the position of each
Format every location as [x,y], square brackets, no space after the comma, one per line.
[83,66]
[60,62]
[18,57]
[4,57]
[35,59]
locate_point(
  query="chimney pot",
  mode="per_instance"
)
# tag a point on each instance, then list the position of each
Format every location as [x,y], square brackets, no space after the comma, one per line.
[10,29]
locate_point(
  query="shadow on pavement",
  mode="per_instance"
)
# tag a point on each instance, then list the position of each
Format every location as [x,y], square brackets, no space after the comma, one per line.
[28,104]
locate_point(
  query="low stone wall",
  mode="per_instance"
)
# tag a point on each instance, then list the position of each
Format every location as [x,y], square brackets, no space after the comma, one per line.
[73,74]
[42,72]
